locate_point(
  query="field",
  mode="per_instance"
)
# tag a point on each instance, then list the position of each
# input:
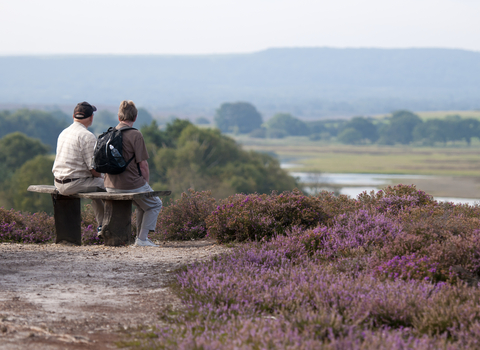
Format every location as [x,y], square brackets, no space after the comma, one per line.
[314,156]
[442,114]
[456,170]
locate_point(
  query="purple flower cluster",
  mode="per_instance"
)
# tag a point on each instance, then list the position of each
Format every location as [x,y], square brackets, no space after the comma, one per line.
[384,271]
[253,217]
[185,218]
[262,296]
[377,272]
[21,227]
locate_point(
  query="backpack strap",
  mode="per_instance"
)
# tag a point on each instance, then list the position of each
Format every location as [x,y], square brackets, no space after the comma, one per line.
[138,166]
[127,128]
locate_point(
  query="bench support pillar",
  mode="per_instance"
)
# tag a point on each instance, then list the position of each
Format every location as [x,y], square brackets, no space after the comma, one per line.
[117,226]
[68,219]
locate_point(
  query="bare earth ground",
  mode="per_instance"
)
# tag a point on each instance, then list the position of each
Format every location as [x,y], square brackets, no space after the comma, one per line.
[448,186]
[56,296]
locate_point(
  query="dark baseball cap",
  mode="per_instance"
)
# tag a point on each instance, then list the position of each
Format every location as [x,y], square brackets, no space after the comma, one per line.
[85,109]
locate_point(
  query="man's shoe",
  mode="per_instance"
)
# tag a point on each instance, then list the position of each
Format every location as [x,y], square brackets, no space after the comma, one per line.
[99,231]
[145,243]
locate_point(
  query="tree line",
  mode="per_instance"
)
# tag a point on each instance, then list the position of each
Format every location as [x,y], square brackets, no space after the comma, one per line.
[401,127]
[182,156]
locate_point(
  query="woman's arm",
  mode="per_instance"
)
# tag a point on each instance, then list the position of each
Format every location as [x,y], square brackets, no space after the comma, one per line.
[144,169]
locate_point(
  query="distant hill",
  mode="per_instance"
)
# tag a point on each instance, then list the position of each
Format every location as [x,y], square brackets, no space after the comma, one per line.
[308,82]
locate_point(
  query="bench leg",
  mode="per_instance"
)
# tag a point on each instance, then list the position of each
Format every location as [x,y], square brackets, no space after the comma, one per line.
[68,219]
[117,223]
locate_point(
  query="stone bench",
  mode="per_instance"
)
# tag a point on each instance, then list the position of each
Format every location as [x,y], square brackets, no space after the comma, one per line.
[117,222]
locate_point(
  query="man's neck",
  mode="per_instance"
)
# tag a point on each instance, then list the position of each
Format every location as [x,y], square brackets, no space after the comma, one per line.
[126,122]
[84,122]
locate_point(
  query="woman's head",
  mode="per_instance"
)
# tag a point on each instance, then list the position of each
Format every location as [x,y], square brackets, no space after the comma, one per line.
[127,111]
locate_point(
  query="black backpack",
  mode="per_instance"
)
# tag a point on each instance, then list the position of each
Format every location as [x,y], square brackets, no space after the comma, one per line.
[107,156]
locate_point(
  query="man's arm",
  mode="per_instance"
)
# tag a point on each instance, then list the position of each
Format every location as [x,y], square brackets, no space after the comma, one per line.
[144,169]
[95,173]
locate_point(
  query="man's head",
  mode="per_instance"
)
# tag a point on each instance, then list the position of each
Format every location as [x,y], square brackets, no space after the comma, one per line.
[83,111]
[127,111]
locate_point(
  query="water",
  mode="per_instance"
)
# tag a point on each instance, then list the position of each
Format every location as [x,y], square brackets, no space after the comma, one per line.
[354,184]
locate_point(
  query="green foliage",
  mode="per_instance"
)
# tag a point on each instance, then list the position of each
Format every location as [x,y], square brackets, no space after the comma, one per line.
[330,127]
[400,129]
[276,133]
[33,123]
[204,159]
[153,136]
[350,136]
[35,171]
[431,131]
[259,133]
[239,117]
[363,126]
[143,118]
[16,148]
[102,120]
[202,121]
[184,219]
[289,124]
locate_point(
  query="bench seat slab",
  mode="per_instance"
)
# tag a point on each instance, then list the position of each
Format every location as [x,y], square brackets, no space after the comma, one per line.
[116,226]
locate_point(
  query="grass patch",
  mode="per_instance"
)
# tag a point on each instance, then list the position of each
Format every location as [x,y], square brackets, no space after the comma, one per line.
[318,156]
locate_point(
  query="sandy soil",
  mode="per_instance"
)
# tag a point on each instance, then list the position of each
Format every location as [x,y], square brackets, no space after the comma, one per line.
[66,297]
[448,186]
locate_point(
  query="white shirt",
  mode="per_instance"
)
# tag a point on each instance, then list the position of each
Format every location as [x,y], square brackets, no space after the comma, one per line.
[75,148]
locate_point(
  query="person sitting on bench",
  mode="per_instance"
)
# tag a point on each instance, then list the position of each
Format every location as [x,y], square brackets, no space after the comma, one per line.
[136,175]
[72,168]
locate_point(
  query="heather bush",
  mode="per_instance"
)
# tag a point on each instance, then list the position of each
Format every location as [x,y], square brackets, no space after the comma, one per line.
[274,295]
[336,205]
[353,234]
[408,192]
[185,218]
[89,227]
[253,217]
[19,227]
[23,227]
[411,267]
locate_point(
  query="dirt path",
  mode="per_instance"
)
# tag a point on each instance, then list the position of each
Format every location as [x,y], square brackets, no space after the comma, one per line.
[66,297]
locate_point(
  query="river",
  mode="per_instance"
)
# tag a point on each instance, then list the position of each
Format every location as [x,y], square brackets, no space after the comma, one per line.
[354,184]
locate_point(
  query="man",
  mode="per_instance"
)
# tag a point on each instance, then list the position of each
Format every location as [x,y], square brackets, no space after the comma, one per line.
[72,169]
[136,175]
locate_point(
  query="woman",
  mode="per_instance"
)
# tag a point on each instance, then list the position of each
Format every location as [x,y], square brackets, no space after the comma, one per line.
[136,175]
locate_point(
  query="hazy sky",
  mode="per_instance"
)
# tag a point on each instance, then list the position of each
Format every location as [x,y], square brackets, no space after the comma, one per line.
[227,26]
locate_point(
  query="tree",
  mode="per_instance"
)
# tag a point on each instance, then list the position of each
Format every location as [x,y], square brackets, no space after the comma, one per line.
[350,136]
[364,126]
[400,129]
[102,120]
[15,149]
[35,171]
[289,124]
[469,128]
[239,117]
[202,121]
[33,123]
[204,159]
[433,130]
[143,118]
